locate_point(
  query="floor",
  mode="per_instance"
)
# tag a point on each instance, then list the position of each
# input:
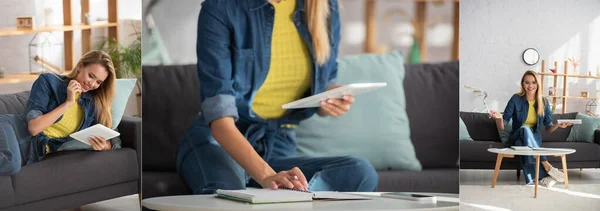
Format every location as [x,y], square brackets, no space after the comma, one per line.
[511,193]
[126,203]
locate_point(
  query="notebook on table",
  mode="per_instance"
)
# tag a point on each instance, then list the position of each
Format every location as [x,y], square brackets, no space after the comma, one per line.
[266,196]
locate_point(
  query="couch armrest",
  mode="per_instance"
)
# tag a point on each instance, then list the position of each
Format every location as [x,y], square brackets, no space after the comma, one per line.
[131,133]
[597,136]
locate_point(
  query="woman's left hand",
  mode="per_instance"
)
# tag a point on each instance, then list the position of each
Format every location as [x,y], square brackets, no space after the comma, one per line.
[335,107]
[565,124]
[99,143]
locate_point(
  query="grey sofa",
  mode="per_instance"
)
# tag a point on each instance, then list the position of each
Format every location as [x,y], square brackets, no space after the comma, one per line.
[171,101]
[474,154]
[71,179]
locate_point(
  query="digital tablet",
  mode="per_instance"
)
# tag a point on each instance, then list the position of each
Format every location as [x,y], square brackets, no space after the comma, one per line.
[348,89]
[96,130]
[574,121]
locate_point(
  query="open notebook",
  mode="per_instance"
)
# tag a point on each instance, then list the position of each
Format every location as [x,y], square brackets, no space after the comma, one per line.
[263,196]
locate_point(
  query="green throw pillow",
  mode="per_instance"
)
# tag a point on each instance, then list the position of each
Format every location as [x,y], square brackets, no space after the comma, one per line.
[463,132]
[505,134]
[584,131]
[376,128]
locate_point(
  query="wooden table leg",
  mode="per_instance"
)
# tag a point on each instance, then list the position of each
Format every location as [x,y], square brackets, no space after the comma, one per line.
[497,169]
[537,174]
[564,162]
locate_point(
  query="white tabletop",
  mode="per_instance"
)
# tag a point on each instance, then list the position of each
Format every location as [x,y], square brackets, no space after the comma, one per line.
[550,151]
[210,202]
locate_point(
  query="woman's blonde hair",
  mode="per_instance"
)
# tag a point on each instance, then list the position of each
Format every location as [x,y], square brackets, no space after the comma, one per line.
[104,94]
[538,92]
[316,17]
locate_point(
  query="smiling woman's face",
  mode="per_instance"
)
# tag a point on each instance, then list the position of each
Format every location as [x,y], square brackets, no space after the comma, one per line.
[529,84]
[91,77]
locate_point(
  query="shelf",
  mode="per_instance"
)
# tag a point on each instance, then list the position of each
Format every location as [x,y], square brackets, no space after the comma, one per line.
[18,78]
[574,97]
[14,31]
[569,75]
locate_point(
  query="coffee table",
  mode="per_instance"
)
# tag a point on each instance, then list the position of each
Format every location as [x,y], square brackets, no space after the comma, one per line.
[510,153]
[210,202]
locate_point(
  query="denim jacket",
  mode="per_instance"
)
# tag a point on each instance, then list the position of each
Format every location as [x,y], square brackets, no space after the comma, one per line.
[234,52]
[518,109]
[50,91]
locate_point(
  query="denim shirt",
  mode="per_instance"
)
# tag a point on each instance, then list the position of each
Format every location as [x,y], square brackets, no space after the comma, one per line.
[50,91]
[518,109]
[234,53]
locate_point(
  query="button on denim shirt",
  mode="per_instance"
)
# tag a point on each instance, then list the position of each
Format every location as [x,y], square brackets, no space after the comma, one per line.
[234,53]
[518,109]
[47,93]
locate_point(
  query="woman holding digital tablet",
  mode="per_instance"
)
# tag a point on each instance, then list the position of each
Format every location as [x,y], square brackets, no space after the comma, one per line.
[253,57]
[57,107]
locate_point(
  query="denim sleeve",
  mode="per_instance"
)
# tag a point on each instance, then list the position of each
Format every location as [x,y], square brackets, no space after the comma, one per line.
[39,97]
[214,63]
[509,110]
[547,114]
[335,30]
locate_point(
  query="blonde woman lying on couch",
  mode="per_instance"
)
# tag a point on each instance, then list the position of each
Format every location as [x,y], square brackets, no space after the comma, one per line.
[57,107]
[529,110]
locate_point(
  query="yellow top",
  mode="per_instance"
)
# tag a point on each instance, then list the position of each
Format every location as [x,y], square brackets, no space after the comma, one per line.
[531,116]
[69,123]
[290,72]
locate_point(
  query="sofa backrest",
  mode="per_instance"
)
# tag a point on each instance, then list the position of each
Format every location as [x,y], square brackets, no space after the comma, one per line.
[171,101]
[482,128]
[432,107]
[13,103]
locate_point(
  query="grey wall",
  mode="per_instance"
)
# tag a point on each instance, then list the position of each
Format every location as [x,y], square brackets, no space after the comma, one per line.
[178,24]
[494,35]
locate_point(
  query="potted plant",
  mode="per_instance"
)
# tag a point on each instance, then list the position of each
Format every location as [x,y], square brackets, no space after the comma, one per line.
[127,60]
[1,72]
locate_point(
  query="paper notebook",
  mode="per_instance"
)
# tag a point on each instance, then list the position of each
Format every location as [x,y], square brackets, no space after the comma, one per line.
[264,196]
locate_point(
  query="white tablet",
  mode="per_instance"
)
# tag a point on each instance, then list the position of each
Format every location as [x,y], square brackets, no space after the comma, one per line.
[574,121]
[96,130]
[349,89]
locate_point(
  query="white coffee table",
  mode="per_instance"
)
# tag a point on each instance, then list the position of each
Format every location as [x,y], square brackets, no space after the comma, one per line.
[510,153]
[210,202]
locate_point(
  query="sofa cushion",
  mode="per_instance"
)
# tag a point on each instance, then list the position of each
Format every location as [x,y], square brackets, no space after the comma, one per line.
[432,108]
[477,150]
[376,128]
[168,115]
[157,183]
[584,151]
[428,180]
[6,192]
[123,88]
[74,171]
[584,131]
[559,135]
[480,126]
[13,103]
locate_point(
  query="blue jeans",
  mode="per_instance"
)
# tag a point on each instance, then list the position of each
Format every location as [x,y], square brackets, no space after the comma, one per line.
[206,167]
[526,137]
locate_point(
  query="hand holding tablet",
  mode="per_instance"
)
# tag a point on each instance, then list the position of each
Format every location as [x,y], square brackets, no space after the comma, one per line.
[339,93]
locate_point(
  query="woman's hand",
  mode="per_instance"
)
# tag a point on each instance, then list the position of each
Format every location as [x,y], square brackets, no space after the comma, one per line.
[335,107]
[99,143]
[494,114]
[73,88]
[565,124]
[293,179]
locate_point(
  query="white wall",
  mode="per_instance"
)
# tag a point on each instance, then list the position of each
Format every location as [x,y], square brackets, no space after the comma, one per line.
[494,34]
[178,24]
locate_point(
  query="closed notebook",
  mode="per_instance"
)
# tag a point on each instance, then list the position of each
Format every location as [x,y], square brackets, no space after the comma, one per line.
[264,196]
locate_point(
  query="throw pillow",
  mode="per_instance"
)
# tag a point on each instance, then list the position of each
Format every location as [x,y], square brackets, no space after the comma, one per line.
[376,128]
[123,88]
[584,131]
[463,132]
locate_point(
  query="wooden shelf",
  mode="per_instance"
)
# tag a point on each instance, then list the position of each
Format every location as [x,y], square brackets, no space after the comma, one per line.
[574,97]
[18,78]
[569,75]
[14,31]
